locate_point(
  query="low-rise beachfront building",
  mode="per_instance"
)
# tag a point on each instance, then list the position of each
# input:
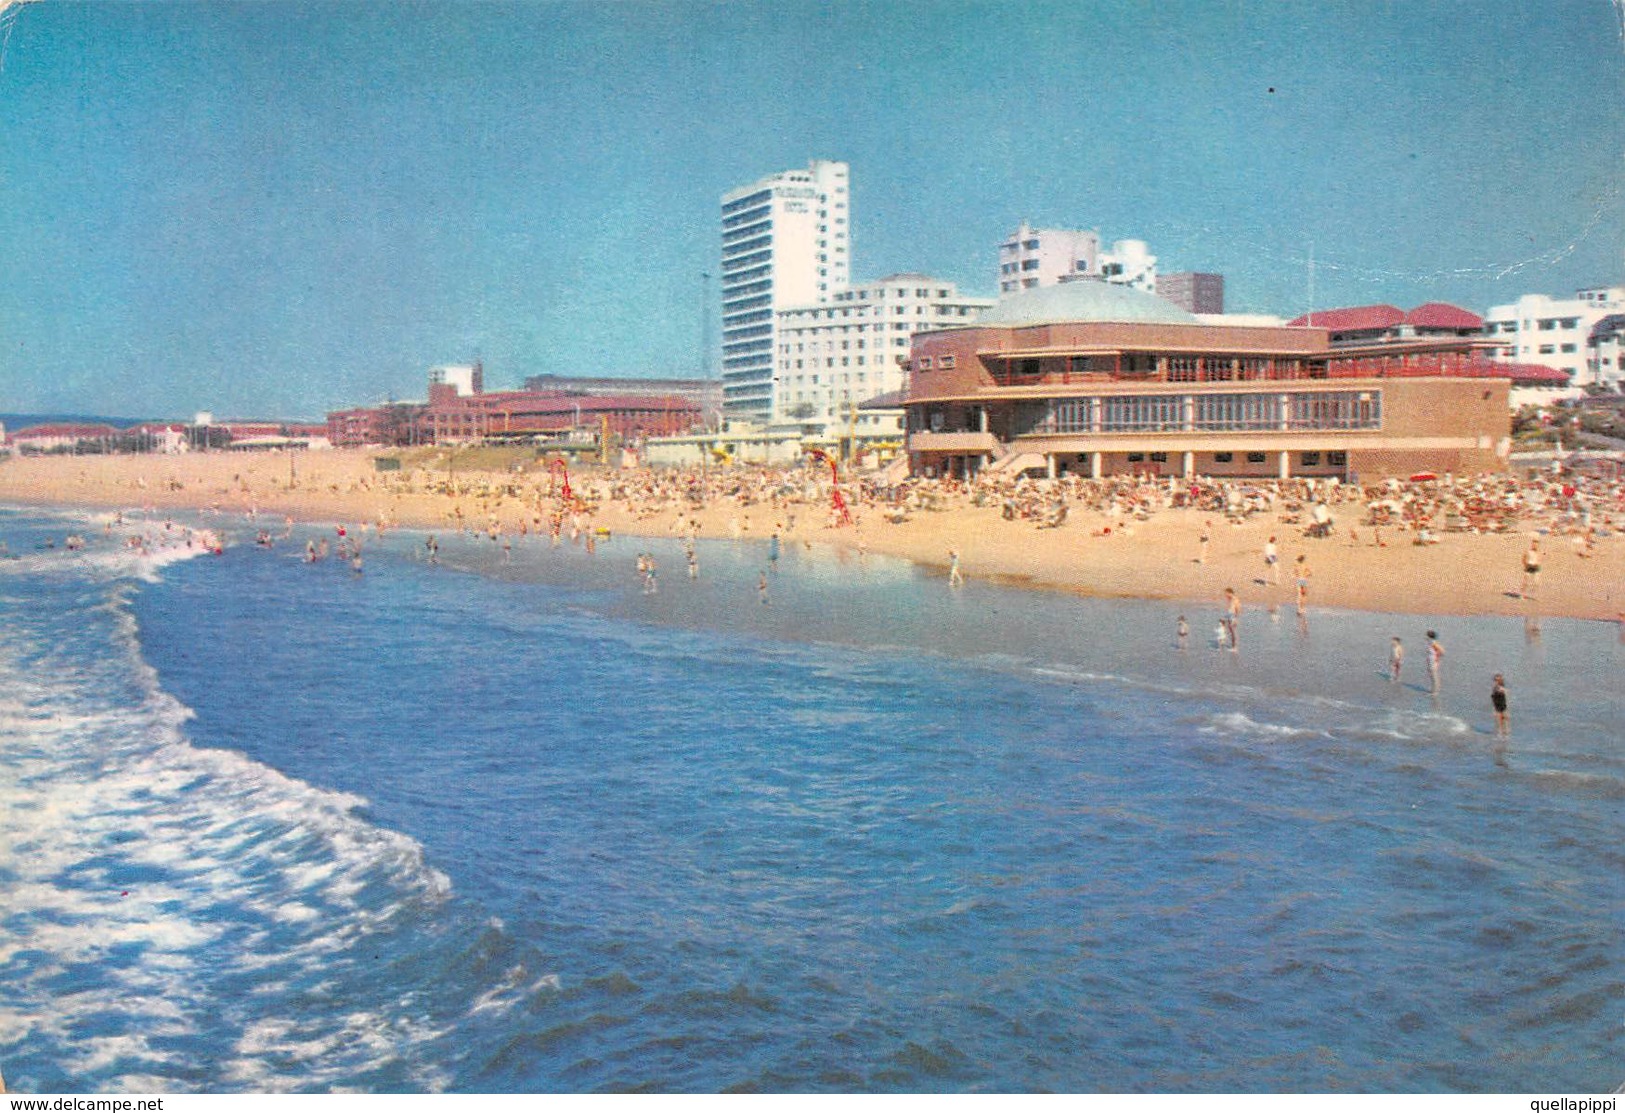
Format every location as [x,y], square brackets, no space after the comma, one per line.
[1097,379]
[1368,324]
[392,425]
[517,414]
[168,437]
[66,436]
[705,393]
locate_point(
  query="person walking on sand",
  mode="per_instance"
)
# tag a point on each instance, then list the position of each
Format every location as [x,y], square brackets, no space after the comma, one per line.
[1498,701]
[1435,659]
[1531,568]
[1201,550]
[1271,559]
[956,578]
[1396,659]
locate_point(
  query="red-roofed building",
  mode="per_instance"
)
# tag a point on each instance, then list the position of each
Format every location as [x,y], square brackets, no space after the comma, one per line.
[392,425]
[1374,324]
[523,413]
[64,436]
[1361,321]
[1439,316]
[1532,374]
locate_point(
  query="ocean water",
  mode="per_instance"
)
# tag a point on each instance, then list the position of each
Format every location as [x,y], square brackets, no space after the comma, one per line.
[514,824]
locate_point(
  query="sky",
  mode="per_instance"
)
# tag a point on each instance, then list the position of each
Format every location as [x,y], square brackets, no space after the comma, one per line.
[275,209]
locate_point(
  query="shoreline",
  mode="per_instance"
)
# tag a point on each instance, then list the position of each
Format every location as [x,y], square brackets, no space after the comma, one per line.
[1155,554]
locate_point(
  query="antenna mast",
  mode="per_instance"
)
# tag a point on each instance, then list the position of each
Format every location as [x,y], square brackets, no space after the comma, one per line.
[1311,283]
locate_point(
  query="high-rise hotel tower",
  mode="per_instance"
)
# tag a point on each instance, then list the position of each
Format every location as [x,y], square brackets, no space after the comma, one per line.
[785,241]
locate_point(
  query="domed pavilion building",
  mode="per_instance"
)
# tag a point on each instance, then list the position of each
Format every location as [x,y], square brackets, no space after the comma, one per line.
[1096,379]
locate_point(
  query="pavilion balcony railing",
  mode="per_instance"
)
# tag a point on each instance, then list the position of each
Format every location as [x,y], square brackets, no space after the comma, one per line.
[1203,369]
[1180,369]
[1452,365]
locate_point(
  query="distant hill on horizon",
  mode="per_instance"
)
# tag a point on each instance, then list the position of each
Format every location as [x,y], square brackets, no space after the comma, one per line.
[14,422]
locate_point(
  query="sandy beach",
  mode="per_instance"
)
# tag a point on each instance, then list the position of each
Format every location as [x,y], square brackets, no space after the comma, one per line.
[1092,552]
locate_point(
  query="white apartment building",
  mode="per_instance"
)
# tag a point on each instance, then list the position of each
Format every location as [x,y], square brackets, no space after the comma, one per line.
[1031,257]
[786,240]
[1130,263]
[1557,332]
[833,356]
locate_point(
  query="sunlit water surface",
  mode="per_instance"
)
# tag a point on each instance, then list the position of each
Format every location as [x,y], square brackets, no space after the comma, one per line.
[513,824]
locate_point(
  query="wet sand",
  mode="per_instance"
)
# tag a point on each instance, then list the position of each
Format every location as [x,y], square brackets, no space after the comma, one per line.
[1464,573]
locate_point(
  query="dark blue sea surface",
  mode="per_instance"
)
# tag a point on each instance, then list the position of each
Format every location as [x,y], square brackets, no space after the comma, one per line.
[514,823]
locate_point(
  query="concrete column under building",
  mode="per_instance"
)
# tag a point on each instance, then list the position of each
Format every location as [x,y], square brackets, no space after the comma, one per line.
[1049,464]
[1096,467]
[1286,465]
[1190,465]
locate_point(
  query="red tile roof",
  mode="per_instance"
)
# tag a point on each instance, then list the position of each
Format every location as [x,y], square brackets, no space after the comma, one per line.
[1532,374]
[1439,314]
[41,432]
[1358,319]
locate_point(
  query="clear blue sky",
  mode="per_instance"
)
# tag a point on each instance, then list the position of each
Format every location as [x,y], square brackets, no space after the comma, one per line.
[278,209]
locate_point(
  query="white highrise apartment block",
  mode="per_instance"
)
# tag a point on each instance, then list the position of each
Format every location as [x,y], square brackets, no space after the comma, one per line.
[838,354]
[786,240]
[1032,257]
[1557,332]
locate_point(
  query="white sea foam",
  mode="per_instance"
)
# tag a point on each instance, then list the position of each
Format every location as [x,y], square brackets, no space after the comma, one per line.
[515,987]
[138,868]
[1233,723]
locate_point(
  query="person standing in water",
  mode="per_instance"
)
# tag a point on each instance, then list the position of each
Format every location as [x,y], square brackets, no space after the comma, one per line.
[956,578]
[1435,659]
[1396,659]
[1498,701]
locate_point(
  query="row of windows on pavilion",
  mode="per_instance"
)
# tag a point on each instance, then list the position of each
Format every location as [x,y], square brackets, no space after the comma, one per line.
[1008,370]
[1172,368]
[1169,413]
